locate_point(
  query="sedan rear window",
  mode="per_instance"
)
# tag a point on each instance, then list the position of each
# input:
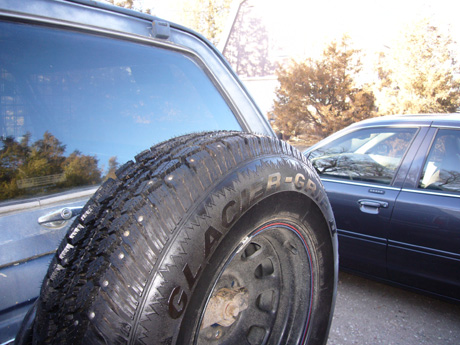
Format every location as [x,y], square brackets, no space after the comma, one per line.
[371,155]
[76,106]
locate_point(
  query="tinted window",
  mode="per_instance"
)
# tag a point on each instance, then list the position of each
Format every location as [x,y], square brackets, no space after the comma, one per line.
[371,155]
[442,167]
[75,106]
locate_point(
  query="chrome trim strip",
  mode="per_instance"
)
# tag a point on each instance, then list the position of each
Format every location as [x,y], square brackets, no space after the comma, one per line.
[441,126]
[9,342]
[47,201]
[431,251]
[424,191]
[19,207]
[61,198]
[361,236]
[361,184]
[18,262]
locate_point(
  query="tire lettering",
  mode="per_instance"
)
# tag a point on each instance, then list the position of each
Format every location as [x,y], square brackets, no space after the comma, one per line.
[182,302]
[256,191]
[244,200]
[191,279]
[311,186]
[211,236]
[226,220]
[274,180]
[299,181]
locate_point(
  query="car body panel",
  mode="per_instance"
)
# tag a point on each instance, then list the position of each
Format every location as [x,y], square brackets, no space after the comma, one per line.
[362,232]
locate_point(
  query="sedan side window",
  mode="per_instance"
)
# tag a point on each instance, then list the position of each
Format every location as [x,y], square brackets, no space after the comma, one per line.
[442,167]
[371,155]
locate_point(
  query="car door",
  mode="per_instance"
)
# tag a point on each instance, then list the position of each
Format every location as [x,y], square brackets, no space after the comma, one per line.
[360,172]
[424,237]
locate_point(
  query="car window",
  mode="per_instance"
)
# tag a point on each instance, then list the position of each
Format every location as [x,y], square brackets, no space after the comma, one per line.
[371,155]
[442,167]
[75,106]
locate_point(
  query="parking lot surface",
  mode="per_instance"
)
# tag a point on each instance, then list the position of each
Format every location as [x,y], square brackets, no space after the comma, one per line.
[370,313]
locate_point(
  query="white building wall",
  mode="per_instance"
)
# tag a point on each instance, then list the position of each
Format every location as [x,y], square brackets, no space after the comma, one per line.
[262,89]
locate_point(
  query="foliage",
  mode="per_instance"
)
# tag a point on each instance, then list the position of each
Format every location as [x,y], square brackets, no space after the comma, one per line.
[113,166]
[36,168]
[123,3]
[207,17]
[319,97]
[130,4]
[420,73]
[80,170]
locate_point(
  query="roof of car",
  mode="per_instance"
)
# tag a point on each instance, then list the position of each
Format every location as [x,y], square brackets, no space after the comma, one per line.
[419,119]
[424,120]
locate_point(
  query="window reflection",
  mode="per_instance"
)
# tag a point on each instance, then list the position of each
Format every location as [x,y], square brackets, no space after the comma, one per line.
[41,167]
[442,167]
[371,155]
[74,107]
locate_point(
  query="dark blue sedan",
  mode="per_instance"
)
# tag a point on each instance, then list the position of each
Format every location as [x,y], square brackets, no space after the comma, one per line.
[394,186]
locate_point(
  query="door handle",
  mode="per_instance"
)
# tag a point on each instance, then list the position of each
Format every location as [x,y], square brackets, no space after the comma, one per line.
[371,206]
[59,218]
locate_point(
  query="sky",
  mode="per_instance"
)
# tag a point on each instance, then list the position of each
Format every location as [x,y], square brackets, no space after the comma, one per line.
[304,26]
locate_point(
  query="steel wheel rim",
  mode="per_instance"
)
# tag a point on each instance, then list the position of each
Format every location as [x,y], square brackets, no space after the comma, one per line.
[277,296]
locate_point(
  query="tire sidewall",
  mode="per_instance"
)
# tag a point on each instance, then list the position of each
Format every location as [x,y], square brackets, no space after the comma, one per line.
[175,292]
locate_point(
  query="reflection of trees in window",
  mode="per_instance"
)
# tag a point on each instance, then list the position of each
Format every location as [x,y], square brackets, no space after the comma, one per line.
[442,167]
[358,167]
[113,166]
[366,155]
[398,144]
[450,181]
[41,167]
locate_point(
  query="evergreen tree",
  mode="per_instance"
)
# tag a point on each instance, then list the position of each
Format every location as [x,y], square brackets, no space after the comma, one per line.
[319,97]
[41,167]
[113,166]
[81,170]
[420,73]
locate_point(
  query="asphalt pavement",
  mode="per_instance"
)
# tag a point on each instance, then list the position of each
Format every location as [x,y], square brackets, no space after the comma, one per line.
[370,313]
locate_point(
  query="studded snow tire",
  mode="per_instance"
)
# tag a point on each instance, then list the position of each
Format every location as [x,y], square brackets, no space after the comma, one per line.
[210,238]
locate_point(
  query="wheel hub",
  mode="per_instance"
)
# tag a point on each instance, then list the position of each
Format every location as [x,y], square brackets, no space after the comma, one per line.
[225,306]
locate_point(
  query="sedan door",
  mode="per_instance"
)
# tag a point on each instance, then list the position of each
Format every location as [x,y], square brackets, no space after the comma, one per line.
[424,240]
[361,172]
